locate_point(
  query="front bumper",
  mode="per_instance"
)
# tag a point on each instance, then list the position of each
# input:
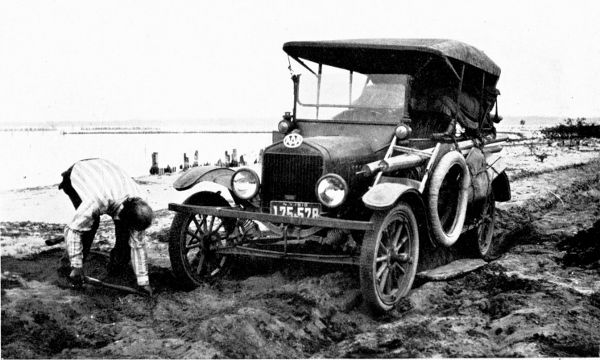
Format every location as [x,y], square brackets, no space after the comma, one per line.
[241,250]
[323,222]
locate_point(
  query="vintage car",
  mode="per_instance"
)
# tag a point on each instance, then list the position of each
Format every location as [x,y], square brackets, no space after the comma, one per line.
[390,145]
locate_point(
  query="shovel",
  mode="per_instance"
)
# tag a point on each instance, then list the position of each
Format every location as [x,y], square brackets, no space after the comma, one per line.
[100,283]
[93,281]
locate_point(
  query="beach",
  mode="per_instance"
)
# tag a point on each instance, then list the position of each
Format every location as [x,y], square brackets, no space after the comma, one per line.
[540,298]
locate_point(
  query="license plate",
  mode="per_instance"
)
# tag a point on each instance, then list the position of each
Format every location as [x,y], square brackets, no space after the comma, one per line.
[296,209]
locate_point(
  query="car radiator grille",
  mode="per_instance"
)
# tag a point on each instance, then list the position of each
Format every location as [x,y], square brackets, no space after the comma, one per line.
[290,177]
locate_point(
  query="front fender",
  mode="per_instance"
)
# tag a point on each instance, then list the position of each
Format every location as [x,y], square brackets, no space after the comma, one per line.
[385,195]
[195,175]
[206,179]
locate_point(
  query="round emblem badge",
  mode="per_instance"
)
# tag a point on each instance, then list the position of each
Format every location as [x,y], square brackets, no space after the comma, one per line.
[292,140]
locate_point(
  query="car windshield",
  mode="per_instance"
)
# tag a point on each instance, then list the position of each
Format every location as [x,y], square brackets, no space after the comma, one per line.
[337,94]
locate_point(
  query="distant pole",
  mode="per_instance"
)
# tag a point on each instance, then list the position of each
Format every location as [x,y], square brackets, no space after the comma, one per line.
[234,161]
[186,162]
[154,167]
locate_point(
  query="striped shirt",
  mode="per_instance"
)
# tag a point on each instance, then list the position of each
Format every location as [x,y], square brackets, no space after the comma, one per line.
[103,187]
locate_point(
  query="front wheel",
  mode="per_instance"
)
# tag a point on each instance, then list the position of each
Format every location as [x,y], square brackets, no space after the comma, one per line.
[193,241]
[389,258]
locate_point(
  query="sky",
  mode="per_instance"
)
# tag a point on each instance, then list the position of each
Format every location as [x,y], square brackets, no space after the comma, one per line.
[161,60]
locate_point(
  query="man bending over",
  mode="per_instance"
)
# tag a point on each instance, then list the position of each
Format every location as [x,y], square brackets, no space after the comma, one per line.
[97,187]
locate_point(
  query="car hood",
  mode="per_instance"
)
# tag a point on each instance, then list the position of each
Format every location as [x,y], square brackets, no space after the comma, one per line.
[340,148]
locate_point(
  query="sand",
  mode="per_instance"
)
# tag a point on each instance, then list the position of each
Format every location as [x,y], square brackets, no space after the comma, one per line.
[540,298]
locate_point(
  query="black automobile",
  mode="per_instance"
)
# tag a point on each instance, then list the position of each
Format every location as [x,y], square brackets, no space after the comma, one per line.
[390,144]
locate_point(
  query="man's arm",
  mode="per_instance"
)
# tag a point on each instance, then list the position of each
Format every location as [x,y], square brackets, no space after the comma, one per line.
[74,247]
[139,257]
[82,221]
[75,253]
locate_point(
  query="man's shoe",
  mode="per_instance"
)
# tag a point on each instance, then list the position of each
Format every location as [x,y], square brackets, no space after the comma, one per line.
[76,278]
[64,267]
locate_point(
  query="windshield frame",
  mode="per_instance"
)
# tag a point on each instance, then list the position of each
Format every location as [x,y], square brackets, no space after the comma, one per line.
[402,110]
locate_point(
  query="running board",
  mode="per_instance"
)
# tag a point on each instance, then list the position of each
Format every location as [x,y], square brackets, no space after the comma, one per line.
[328,259]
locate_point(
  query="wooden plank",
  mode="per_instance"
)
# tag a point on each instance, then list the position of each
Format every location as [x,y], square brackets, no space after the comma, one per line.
[453,270]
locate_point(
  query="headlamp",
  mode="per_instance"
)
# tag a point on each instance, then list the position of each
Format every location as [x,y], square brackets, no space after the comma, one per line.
[284,126]
[245,183]
[403,131]
[331,190]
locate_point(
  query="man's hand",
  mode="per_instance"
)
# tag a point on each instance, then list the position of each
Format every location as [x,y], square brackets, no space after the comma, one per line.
[55,240]
[146,289]
[76,277]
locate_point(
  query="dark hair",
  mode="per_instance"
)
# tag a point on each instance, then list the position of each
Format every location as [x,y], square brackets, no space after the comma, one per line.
[136,214]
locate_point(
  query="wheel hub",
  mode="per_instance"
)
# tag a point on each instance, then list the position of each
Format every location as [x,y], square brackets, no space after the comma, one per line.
[398,258]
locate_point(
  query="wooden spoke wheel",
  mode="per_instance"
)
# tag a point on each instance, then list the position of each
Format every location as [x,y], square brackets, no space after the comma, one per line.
[484,233]
[389,258]
[193,241]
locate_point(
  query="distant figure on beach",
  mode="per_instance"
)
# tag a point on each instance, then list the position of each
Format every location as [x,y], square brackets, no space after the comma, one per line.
[97,187]
[154,170]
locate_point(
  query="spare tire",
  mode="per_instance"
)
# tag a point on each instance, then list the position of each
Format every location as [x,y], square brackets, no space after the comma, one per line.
[447,198]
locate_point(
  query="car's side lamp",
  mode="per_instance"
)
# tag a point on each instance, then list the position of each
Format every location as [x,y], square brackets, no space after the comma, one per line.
[403,131]
[286,124]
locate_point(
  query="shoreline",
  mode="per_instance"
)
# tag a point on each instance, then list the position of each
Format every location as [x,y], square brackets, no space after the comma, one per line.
[48,204]
[512,146]
[145,132]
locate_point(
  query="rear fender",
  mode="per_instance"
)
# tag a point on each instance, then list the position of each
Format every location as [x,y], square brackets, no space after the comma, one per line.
[496,172]
[501,187]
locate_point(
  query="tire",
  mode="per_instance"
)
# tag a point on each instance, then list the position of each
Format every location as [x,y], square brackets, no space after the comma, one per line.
[488,248]
[202,232]
[447,198]
[389,258]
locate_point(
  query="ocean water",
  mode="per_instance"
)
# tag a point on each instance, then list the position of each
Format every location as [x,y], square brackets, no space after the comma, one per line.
[37,158]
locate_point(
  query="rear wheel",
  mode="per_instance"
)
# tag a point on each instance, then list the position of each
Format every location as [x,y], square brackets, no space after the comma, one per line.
[389,258]
[486,245]
[194,239]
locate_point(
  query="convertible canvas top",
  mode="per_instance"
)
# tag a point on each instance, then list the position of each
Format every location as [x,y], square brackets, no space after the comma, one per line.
[390,54]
